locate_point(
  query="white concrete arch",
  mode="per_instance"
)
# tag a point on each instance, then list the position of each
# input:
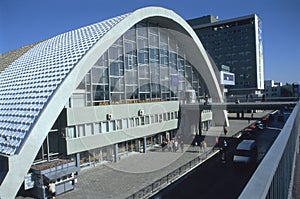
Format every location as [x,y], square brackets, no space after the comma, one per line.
[20,163]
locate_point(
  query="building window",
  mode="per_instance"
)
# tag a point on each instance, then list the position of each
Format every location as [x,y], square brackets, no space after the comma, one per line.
[147,119]
[119,124]
[71,132]
[88,129]
[124,123]
[149,65]
[131,122]
[81,132]
[137,121]
[104,127]
[112,125]
[97,128]
[142,120]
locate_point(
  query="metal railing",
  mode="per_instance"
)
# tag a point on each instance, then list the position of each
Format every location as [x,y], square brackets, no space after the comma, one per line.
[274,176]
[174,175]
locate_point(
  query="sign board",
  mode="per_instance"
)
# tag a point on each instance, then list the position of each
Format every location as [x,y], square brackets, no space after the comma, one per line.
[227,78]
[28,181]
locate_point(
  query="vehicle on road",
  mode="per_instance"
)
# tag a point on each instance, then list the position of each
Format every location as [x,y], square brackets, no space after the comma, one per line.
[259,125]
[245,153]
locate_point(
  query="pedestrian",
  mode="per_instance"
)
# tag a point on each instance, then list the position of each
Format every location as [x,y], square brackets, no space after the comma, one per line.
[163,145]
[181,146]
[203,146]
[217,142]
[252,116]
[175,145]
[169,145]
[195,146]
[52,190]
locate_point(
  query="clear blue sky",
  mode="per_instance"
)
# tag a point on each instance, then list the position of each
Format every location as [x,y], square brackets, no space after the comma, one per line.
[25,22]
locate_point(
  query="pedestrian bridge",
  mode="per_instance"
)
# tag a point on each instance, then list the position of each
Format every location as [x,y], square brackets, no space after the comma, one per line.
[273,178]
[240,106]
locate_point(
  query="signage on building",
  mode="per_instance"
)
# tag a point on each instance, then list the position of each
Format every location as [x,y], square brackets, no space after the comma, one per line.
[227,78]
[28,181]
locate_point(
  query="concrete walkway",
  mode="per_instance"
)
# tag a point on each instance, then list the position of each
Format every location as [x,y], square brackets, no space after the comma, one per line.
[139,170]
[129,175]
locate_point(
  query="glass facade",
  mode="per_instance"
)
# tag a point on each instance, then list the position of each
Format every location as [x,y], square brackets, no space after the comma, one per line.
[148,63]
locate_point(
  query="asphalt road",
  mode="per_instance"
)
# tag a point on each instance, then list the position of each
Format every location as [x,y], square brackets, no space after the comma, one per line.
[221,179]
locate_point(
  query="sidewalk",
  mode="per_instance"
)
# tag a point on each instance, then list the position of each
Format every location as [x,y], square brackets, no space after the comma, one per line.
[235,125]
[129,175]
[139,170]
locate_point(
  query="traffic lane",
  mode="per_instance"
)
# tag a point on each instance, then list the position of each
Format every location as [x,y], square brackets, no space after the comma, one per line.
[222,179]
[213,179]
[267,136]
[264,141]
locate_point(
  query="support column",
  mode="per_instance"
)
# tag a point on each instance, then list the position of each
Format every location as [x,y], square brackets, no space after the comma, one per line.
[200,123]
[160,138]
[137,145]
[48,151]
[116,153]
[145,144]
[78,162]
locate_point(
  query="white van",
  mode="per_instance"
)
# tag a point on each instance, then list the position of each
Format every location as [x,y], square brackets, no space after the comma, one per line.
[245,153]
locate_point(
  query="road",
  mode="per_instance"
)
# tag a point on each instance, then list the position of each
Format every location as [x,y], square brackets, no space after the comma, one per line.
[221,179]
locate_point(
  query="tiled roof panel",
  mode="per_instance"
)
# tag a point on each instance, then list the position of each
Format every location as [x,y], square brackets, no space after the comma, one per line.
[29,82]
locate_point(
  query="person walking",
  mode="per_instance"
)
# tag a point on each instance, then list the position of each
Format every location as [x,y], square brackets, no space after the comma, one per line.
[52,190]
[181,146]
[175,145]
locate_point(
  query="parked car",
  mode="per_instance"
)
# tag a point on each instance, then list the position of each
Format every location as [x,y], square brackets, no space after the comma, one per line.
[245,153]
[259,125]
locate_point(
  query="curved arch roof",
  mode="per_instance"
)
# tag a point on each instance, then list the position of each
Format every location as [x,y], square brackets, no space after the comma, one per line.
[28,83]
[48,70]
[35,88]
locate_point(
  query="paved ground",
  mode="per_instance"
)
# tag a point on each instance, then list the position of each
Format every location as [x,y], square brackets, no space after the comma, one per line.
[223,179]
[130,174]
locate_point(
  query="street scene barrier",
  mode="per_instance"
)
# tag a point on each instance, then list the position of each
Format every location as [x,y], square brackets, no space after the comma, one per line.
[171,177]
[274,176]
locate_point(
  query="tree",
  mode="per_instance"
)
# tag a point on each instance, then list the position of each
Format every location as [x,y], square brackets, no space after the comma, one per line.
[287,90]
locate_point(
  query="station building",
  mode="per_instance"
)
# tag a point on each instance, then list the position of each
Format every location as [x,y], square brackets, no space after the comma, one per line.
[96,93]
[236,43]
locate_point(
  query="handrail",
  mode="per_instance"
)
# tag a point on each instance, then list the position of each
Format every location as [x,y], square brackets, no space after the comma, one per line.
[172,176]
[273,177]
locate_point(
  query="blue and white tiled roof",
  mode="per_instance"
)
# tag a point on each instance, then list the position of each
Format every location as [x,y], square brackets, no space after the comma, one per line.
[29,82]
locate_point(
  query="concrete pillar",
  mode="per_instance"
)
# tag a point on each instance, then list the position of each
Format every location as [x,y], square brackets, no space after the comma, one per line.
[78,162]
[167,135]
[160,138]
[145,144]
[116,153]
[137,145]
[200,122]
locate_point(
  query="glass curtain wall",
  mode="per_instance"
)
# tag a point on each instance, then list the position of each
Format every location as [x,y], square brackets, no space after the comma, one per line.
[148,63]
